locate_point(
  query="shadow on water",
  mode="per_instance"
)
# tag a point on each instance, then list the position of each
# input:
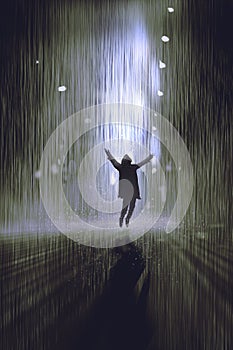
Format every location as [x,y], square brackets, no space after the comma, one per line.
[56,294]
[118,319]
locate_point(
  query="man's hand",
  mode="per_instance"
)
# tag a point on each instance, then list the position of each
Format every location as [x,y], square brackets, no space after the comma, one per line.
[108,153]
[112,159]
[150,157]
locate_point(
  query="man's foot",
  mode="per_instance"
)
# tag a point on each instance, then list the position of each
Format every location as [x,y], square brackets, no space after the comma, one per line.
[120,222]
[127,222]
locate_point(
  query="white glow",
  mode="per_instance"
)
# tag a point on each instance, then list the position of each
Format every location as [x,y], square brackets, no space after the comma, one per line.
[165,38]
[131,52]
[37,62]
[170,9]
[62,88]
[162,65]
[160,93]
[140,43]
[56,201]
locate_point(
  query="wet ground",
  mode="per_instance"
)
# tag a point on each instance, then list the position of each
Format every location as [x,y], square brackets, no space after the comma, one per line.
[163,292]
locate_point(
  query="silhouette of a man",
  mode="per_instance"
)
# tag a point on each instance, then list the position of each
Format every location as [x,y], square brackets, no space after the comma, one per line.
[128,183]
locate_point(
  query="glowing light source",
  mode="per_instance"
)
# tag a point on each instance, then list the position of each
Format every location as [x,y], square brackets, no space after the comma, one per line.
[37,62]
[170,9]
[162,65]
[160,93]
[62,88]
[165,38]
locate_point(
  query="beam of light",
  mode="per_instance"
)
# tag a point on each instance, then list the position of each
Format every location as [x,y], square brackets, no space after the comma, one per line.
[165,38]
[126,74]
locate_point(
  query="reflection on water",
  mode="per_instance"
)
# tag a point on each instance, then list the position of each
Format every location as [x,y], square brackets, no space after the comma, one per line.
[53,290]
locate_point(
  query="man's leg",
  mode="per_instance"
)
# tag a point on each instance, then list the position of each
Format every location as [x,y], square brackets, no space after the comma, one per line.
[131,209]
[123,211]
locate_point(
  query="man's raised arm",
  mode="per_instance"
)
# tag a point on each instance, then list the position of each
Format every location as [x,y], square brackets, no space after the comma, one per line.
[146,160]
[112,159]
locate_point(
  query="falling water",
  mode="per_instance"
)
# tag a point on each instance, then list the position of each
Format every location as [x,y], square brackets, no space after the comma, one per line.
[99,59]
[104,59]
[105,52]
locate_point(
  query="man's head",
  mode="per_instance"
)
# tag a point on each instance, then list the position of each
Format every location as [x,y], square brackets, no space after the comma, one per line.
[126,159]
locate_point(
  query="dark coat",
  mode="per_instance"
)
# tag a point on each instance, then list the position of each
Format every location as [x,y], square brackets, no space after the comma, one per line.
[127,171]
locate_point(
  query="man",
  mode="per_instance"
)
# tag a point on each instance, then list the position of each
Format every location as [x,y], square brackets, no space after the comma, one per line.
[128,183]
